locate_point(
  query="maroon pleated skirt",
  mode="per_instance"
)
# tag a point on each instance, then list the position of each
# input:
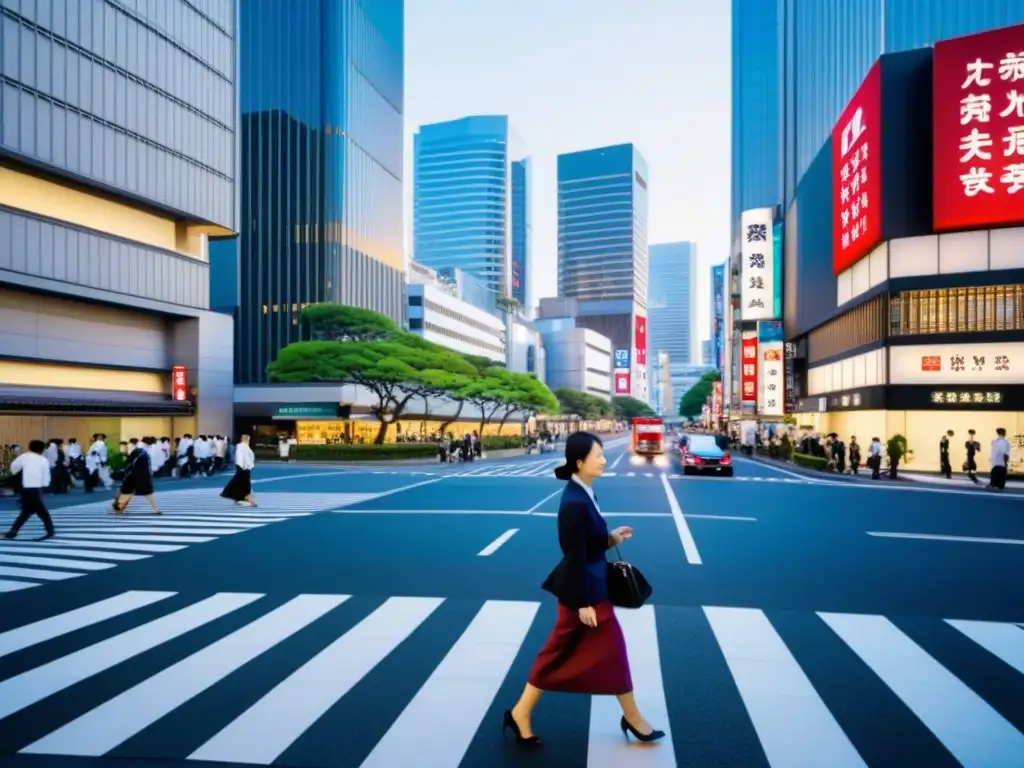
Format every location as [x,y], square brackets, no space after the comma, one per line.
[581,659]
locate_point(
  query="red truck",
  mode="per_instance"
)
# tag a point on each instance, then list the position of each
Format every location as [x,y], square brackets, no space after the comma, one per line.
[648,436]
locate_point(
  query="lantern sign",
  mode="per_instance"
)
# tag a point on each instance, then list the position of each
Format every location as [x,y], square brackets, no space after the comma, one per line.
[179,383]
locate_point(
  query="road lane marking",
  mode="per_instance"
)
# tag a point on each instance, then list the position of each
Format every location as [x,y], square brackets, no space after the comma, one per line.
[794,725]
[541,503]
[115,721]
[616,462]
[443,718]
[495,545]
[612,514]
[47,629]
[966,725]
[6,585]
[55,562]
[685,535]
[35,573]
[1004,641]
[516,512]
[939,537]
[739,518]
[300,477]
[263,732]
[606,748]
[33,686]
[780,470]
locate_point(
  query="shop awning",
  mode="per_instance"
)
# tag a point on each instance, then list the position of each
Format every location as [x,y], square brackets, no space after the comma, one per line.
[89,402]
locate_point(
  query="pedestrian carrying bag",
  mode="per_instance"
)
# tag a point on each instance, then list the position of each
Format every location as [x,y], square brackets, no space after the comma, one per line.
[627,587]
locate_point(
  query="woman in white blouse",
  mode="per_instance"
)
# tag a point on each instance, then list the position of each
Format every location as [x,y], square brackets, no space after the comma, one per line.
[239,487]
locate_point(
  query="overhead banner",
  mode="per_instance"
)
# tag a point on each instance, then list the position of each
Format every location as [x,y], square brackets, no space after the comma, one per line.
[771,369]
[978,130]
[757,273]
[857,179]
[748,371]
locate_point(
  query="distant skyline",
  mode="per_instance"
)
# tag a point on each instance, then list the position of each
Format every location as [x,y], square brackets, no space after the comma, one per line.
[550,71]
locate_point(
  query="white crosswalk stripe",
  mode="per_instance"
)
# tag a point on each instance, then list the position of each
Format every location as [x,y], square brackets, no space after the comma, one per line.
[539,468]
[336,651]
[91,539]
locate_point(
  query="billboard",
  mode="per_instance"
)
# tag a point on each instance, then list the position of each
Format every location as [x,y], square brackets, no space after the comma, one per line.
[622,382]
[748,370]
[757,272]
[771,370]
[978,130]
[968,364]
[717,315]
[640,339]
[857,175]
[622,359]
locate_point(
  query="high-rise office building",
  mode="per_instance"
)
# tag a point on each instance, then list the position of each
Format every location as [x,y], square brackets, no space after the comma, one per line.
[706,356]
[117,163]
[321,97]
[602,249]
[471,201]
[672,302]
[522,233]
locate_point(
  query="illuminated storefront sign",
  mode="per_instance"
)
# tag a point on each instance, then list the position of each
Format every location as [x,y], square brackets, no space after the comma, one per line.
[963,398]
[958,365]
[179,383]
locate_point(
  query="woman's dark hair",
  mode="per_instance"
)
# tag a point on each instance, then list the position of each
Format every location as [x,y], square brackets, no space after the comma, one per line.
[577,447]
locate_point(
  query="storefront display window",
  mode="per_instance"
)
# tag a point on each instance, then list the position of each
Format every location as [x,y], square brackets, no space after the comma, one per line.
[957,310]
[364,431]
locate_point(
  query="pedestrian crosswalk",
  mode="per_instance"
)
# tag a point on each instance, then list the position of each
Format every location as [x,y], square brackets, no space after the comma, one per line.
[422,681]
[90,539]
[546,468]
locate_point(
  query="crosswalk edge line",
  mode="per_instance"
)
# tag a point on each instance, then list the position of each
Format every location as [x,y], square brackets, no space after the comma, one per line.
[1004,641]
[40,631]
[112,723]
[443,718]
[38,683]
[298,701]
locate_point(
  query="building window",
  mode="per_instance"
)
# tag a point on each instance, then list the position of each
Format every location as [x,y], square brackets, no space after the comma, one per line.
[415,301]
[531,359]
[415,324]
[957,310]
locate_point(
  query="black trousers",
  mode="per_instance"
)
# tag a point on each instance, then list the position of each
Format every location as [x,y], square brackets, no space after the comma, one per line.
[32,504]
[997,477]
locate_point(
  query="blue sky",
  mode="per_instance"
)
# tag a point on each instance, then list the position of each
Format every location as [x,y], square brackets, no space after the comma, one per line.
[573,74]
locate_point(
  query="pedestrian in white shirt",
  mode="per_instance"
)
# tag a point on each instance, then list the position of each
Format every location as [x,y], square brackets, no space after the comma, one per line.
[34,469]
[999,461]
[239,487]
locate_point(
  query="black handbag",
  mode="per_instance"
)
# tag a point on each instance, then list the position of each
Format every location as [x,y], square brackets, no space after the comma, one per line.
[627,587]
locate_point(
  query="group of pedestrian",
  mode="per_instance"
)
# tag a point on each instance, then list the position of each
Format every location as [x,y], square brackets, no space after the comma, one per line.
[31,473]
[999,458]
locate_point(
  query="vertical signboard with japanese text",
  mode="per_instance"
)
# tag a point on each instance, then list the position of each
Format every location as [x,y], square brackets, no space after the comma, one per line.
[717,315]
[978,130]
[748,369]
[179,383]
[778,259]
[789,355]
[622,368]
[716,402]
[770,369]
[757,272]
[857,179]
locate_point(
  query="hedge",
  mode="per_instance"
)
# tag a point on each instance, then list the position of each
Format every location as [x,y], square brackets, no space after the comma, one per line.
[385,452]
[810,462]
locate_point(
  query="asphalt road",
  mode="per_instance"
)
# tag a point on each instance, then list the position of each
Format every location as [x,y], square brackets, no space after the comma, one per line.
[385,617]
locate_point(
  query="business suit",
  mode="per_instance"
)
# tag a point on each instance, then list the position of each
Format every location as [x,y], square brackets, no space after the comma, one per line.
[577,658]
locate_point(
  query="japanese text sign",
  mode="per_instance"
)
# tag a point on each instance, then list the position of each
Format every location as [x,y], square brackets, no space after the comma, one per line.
[179,383]
[640,340]
[857,175]
[978,98]
[748,371]
[622,359]
[757,273]
[771,401]
[956,364]
[621,383]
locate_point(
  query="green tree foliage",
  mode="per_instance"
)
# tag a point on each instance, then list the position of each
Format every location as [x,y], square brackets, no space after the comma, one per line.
[692,401]
[356,346]
[336,322]
[626,408]
[583,404]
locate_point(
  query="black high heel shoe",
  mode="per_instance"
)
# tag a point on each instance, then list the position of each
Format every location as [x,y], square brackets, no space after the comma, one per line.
[509,722]
[628,729]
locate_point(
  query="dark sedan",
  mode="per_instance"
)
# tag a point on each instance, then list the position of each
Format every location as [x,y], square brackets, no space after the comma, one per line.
[699,454]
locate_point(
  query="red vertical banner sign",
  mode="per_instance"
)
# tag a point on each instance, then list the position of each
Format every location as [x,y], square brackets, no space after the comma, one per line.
[748,371]
[640,339]
[179,383]
[622,382]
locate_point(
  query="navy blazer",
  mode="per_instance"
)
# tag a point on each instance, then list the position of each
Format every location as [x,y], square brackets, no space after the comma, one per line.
[580,580]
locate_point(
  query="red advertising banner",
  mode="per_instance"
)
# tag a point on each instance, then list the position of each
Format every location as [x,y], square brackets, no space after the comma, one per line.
[640,340]
[179,383]
[622,382]
[978,144]
[857,175]
[748,371]
[716,401]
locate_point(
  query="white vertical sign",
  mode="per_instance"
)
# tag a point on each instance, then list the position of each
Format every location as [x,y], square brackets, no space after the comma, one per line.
[771,399]
[757,272]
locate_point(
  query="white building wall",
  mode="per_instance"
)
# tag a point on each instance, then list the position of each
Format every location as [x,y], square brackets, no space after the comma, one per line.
[439,317]
[580,359]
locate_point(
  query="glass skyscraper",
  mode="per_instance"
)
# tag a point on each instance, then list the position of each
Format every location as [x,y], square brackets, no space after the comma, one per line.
[321,96]
[471,201]
[672,302]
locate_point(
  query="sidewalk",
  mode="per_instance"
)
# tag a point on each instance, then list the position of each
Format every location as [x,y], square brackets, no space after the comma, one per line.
[957,481]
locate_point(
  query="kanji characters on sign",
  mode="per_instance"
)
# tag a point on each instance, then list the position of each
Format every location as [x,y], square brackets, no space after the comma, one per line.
[757,269]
